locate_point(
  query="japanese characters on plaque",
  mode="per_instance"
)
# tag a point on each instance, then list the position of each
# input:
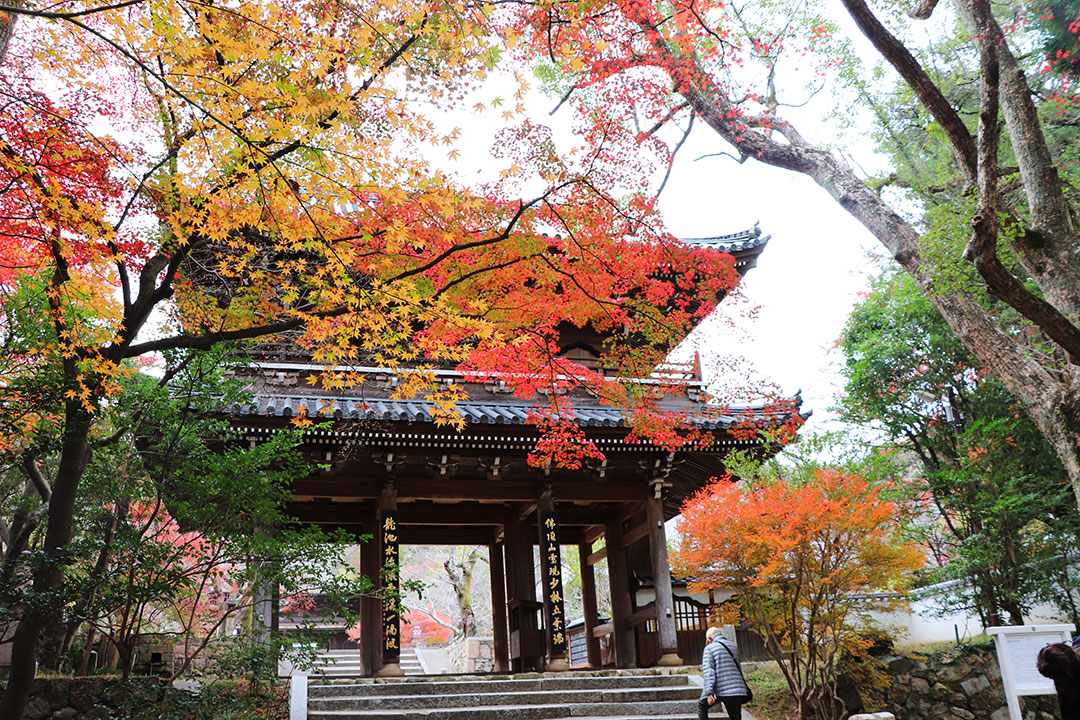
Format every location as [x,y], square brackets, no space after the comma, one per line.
[390,561]
[553,587]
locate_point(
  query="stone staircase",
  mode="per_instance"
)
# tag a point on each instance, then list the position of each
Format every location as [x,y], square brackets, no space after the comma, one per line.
[409,662]
[621,694]
[346,663]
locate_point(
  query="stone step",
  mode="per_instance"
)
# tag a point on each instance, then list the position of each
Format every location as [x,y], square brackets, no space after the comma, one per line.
[451,685]
[544,697]
[714,714]
[671,710]
[576,695]
[347,663]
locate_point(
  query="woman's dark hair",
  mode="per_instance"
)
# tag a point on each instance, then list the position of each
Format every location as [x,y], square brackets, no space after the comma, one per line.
[1060,663]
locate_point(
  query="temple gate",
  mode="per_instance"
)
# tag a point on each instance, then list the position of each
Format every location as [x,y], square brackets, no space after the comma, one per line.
[387,470]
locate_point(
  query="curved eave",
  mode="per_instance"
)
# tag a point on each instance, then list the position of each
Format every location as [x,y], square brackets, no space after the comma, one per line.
[745,246]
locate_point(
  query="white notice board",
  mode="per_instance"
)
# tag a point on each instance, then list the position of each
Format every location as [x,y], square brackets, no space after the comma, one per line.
[1018,648]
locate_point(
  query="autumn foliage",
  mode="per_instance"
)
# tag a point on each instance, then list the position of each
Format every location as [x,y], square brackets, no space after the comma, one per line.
[802,560]
[177,174]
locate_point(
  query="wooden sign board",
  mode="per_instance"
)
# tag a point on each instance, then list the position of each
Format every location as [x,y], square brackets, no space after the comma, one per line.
[391,560]
[553,587]
[1018,647]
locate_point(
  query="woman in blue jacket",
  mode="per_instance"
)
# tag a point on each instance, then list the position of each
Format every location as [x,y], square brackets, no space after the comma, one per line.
[723,677]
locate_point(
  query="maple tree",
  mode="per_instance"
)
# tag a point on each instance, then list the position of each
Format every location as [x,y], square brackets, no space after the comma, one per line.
[176,174]
[995,219]
[808,555]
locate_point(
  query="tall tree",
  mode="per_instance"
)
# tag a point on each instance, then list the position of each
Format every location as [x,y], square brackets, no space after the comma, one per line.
[631,67]
[175,174]
[993,504]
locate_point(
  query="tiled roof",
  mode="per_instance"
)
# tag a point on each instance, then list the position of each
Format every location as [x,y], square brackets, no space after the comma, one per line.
[732,243]
[491,413]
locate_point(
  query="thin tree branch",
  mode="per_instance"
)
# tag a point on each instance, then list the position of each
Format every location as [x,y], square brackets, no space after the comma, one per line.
[667,118]
[16,10]
[562,101]
[671,161]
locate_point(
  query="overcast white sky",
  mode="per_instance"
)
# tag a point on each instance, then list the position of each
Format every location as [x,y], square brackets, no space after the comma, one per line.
[809,275]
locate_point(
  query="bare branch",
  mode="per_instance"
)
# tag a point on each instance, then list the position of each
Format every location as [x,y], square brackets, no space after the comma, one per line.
[739,159]
[667,118]
[111,439]
[205,341]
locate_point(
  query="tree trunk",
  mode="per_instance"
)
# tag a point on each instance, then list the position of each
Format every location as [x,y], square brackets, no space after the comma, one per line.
[74,455]
[84,665]
[460,573]
[51,653]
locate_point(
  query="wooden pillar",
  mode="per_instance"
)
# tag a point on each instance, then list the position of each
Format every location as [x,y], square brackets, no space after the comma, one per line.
[498,607]
[510,561]
[511,556]
[370,607]
[525,582]
[621,604]
[525,642]
[551,586]
[661,571]
[588,600]
[389,545]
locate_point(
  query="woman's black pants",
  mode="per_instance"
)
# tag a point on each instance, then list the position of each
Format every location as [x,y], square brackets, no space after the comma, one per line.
[732,705]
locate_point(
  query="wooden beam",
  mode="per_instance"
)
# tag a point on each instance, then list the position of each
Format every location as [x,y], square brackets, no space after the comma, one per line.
[465,488]
[634,535]
[625,511]
[641,616]
[661,572]
[596,557]
[525,638]
[593,533]
[603,629]
[430,535]
[351,513]
[621,602]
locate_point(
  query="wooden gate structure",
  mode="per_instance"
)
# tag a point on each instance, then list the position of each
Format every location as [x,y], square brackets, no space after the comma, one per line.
[387,470]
